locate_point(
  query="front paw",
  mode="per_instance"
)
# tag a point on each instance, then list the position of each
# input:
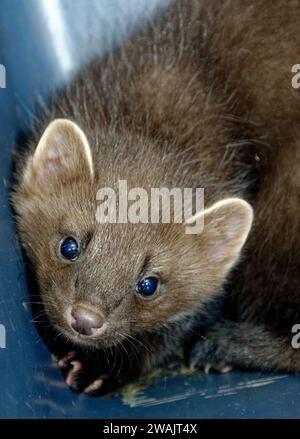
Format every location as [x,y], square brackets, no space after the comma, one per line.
[205,356]
[83,375]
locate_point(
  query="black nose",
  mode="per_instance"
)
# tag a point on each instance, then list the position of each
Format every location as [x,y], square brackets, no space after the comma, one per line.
[86,319]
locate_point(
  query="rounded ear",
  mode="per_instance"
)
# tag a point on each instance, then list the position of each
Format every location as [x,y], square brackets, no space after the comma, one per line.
[62,153]
[226,227]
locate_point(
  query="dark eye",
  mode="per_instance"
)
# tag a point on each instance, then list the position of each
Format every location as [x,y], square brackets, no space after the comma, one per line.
[147,286]
[69,248]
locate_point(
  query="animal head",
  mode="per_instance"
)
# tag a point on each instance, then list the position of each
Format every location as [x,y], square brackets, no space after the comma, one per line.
[103,282]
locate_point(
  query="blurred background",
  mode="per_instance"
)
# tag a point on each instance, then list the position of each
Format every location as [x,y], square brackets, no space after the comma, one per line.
[43,43]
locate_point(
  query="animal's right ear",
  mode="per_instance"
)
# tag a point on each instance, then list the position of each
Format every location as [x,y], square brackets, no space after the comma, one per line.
[63,153]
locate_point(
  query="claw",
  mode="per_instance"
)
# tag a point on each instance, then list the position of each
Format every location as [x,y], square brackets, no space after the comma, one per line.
[207,368]
[71,376]
[79,375]
[225,369]
[94,386]
[65,361]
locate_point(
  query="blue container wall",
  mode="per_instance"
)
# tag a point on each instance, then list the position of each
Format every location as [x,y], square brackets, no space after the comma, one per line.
[42,44]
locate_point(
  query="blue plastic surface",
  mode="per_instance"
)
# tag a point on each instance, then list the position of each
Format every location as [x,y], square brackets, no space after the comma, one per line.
[42,43]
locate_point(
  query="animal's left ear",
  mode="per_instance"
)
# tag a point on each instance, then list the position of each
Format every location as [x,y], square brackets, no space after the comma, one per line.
[62,153]
[226,226]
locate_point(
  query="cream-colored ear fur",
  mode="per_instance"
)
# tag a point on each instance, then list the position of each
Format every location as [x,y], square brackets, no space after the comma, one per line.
[62,152]
[226,227]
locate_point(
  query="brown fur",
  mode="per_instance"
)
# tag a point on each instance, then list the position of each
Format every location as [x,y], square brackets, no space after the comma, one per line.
[201,98]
